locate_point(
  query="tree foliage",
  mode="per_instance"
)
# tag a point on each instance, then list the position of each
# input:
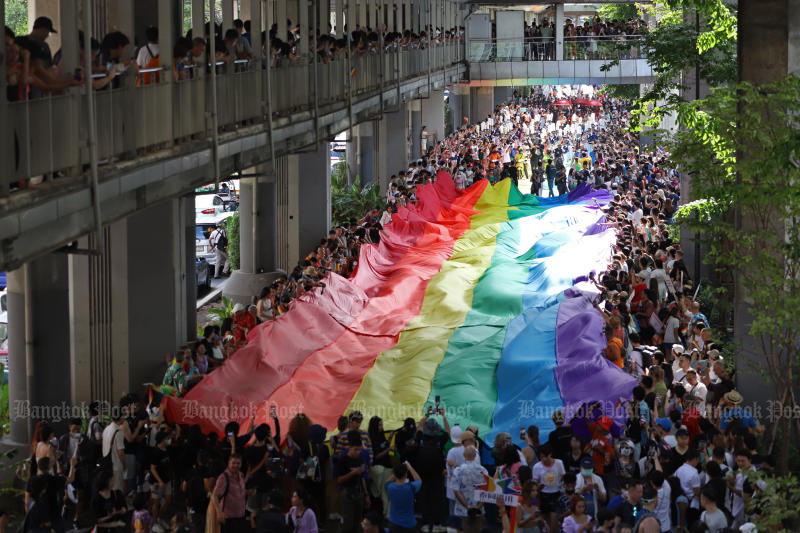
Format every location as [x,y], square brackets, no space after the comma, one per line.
[17,16]
[351,200]
[740,145]
[619,12]
[232,229]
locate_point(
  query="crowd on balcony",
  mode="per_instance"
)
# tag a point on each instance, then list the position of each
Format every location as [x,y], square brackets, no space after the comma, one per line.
[686,459]
[34,71]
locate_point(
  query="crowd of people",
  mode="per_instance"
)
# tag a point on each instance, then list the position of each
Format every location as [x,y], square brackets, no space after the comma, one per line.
[34,71]
[685,460]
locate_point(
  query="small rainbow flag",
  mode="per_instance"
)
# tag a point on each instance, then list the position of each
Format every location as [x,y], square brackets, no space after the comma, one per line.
[353,73]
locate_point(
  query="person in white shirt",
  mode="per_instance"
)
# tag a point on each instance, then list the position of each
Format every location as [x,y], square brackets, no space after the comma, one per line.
[150,50]
[455,458]
[695,387]
[386,217]
[737,489]
[113,445]
[690,485]
[549,472]
[662,511]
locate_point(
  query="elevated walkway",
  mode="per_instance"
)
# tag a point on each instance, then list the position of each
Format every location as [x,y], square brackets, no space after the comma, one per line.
[157,142]
[522,73]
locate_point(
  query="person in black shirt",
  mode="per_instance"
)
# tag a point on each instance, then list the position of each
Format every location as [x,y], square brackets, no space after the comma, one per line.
[560,437]
[628,511]
[270,519]
[351,470]
[381,462]
[198,484]
[160,475]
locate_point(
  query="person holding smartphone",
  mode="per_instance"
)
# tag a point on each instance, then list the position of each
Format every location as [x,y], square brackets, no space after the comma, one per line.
[401,493]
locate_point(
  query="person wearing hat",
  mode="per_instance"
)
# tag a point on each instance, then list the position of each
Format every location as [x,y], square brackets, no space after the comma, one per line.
[601,446]
[42,28]
[455,458]
[731,409]
[590,487]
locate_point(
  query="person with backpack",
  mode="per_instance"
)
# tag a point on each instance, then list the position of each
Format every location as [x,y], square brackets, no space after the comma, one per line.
[228,498]
[218,240]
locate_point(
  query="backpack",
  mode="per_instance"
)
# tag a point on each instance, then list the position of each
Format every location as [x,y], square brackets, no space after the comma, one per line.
[222,240]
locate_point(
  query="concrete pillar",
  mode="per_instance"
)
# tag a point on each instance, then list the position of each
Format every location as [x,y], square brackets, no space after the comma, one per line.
[433,115]
[482,102]
[559,31]
[339,18]
[362,14]
[315,203]
[391,142]
[280,19]
[415,16]
[366,152]
[324,16]
[257,237]
[287,182]
[303,19]
[227,15]
[415,107]
[38,341]
[768,50]
[350,19]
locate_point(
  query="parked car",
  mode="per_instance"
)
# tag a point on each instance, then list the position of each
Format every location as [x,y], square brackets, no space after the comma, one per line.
[226,199]
[203,272]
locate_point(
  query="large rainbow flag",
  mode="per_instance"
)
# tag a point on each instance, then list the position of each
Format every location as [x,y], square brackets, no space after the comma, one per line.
[470,296]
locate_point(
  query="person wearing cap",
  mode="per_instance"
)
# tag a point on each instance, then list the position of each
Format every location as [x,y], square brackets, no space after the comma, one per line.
[590,486]
[601,446]
[690,486]
[354,420]
[42,28]
[731,409]
[455,458]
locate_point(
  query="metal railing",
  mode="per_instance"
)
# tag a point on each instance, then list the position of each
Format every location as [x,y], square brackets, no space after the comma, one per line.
[48,136]
[604,47]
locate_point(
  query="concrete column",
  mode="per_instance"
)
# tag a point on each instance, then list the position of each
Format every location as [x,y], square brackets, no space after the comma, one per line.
[350,19]
[38,341]
[366,151]
[482,102]
[323,16]
[315,203]
[415,107]
[768,50]
[391,142]
[433,115]
[415,16]
[257,237]
[68,32]
[280,19]
[227,15]
[559,31]
[339,18]
[303,19]
[362,14]
[288,251]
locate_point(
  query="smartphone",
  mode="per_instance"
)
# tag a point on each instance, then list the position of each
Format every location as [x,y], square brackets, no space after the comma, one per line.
[230,434]
[437,402]
[522,433]
[272,411]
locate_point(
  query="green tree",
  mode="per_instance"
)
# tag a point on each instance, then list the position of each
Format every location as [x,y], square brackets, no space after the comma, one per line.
[628,91]
[232,229]
[740,145]
[351,201]
[17,16]
[619,12]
